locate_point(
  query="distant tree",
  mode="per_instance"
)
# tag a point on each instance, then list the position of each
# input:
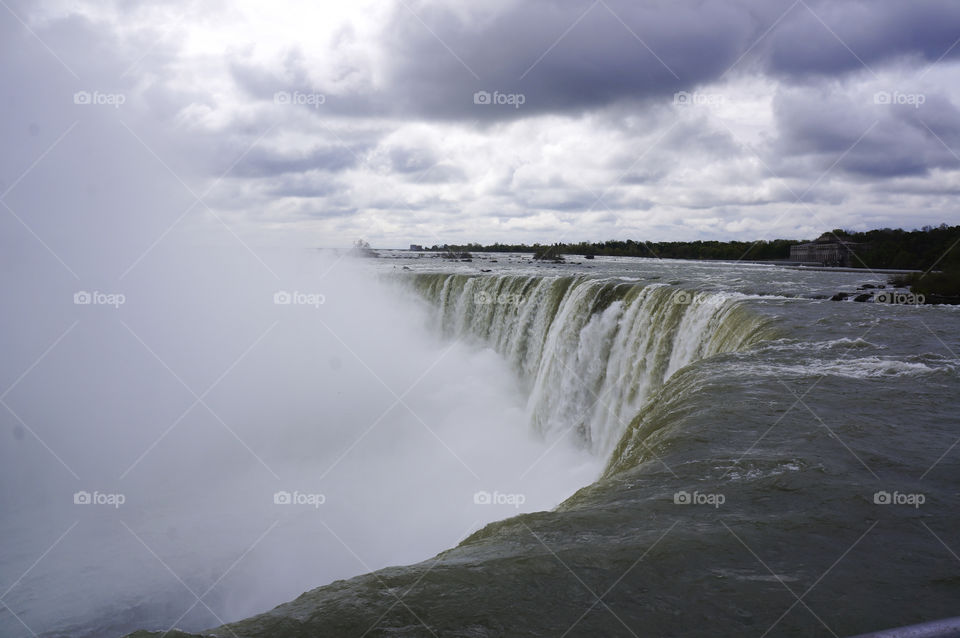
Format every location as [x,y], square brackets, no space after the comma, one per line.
[878,248]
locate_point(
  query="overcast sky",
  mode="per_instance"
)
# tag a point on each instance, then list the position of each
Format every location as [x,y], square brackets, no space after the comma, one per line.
[432,121]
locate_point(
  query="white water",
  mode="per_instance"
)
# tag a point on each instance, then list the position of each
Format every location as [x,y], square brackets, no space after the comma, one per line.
[592,351]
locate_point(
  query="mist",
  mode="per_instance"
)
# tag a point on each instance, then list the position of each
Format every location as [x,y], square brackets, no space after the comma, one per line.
[247,425]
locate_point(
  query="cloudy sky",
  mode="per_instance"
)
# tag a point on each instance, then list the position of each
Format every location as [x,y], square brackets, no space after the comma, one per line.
[432,121]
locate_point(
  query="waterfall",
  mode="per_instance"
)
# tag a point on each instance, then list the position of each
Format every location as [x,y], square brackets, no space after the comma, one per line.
[590,351]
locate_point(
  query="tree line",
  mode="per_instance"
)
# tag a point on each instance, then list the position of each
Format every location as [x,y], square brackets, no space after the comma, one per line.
[929,247]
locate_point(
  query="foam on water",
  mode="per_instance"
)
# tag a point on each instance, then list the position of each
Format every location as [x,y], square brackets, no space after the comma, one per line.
[591,350]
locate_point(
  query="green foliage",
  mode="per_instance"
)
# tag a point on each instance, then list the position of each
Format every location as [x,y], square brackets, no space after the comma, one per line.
[930,247]
[549,253]
[936,287]
[937,284]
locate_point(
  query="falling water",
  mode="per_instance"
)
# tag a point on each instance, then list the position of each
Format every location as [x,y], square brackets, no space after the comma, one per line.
[590,351]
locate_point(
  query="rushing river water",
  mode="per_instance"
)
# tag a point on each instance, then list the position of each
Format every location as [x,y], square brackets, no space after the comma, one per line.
[765,461]
[776,463]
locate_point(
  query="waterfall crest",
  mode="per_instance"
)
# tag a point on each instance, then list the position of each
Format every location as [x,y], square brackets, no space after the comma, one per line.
[591,351]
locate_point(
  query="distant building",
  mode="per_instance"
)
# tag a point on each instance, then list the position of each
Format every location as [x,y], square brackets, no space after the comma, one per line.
[416,247]
[827,250]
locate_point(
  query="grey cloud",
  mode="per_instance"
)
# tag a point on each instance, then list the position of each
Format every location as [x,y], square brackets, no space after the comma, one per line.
[411,160]
[565,202]
[597,62]
[260,162]
[876,141]
[445,173]
[328,212]
[421,165]
[574,57]
[306,186]
[832,38]
[625,51]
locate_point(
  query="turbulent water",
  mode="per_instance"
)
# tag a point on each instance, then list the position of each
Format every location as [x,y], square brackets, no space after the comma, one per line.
[775,463]
[590,350]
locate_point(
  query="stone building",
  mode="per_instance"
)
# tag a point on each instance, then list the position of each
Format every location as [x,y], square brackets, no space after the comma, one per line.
[827,250]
